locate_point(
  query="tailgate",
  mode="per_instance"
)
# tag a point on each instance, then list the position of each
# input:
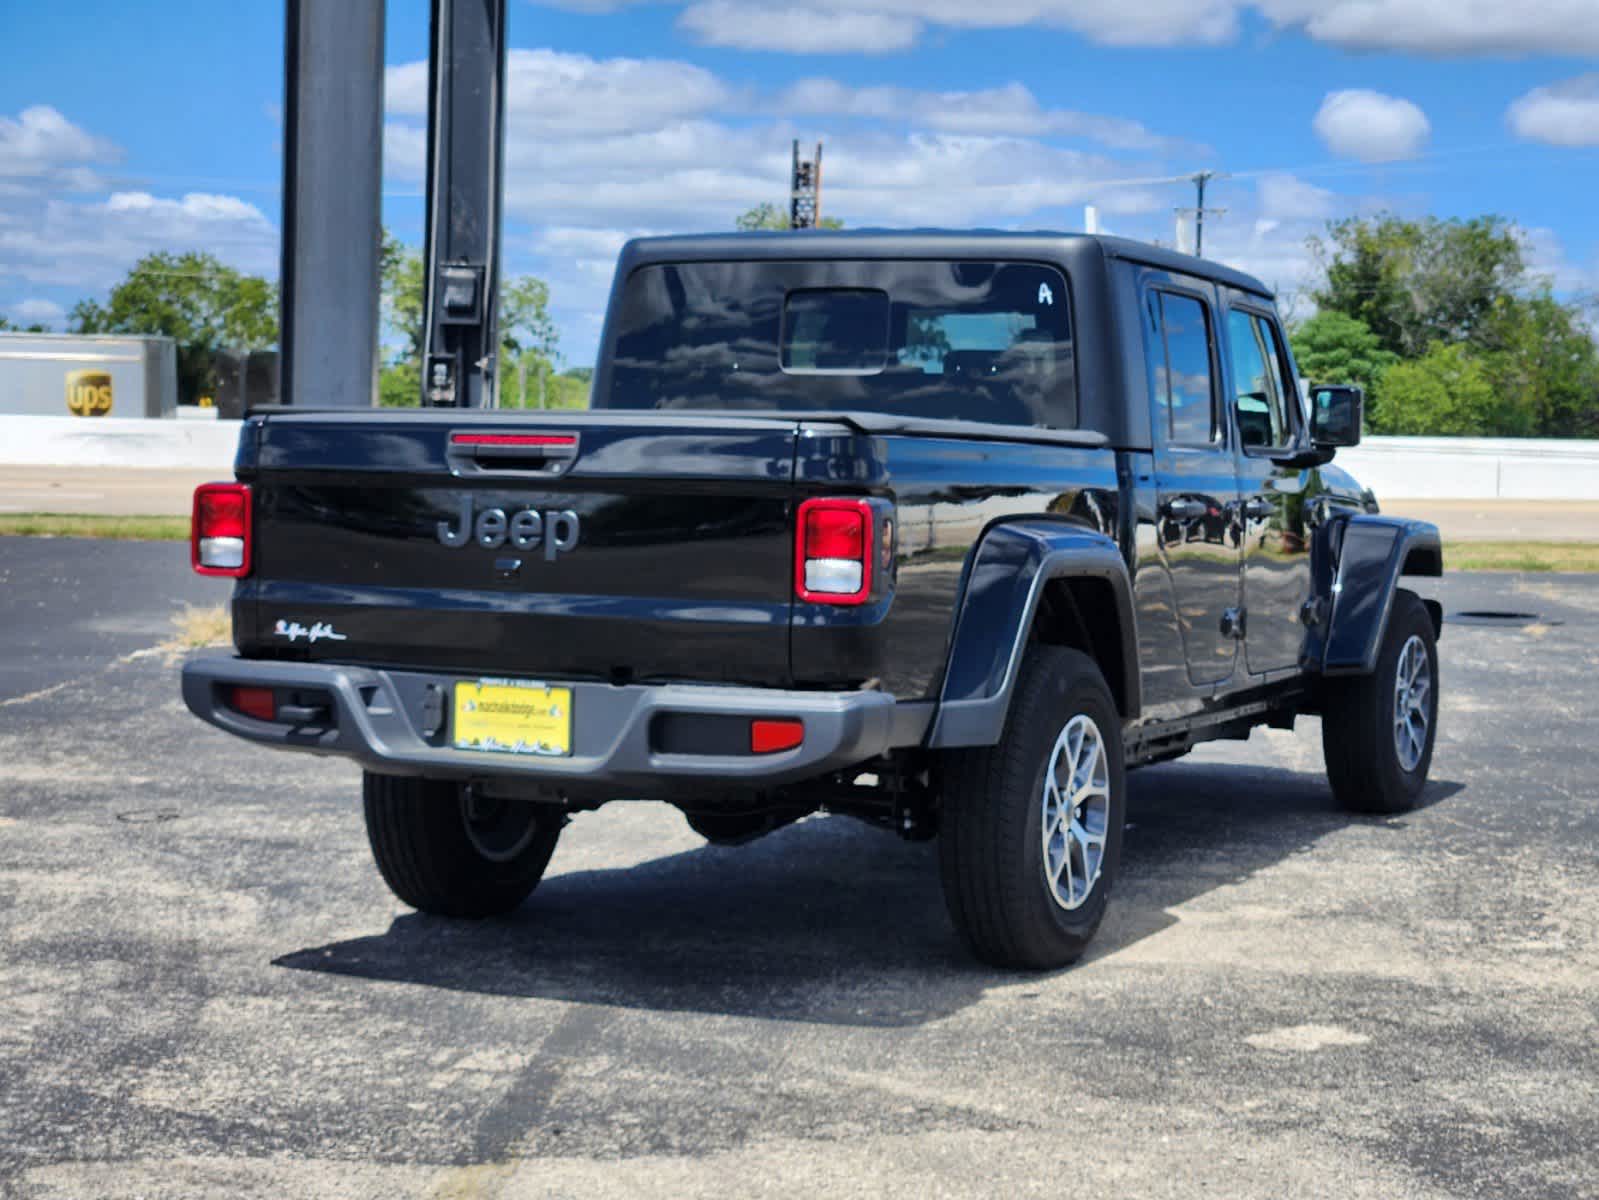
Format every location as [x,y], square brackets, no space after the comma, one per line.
[561,545]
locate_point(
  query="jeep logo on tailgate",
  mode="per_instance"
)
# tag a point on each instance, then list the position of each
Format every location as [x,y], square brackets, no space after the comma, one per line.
[526,529]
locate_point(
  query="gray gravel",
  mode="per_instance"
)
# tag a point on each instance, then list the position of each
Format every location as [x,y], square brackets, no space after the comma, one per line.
[206,990]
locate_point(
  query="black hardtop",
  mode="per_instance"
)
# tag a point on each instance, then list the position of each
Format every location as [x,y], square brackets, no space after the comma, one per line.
[1066,249]
[1112,384]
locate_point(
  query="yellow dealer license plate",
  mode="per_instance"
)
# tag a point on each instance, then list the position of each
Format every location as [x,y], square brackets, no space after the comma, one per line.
[513,716]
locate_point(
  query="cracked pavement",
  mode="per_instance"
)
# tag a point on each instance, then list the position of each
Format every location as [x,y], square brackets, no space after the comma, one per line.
[205,989]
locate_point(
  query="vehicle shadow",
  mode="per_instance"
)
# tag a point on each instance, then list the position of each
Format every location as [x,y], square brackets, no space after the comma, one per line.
[828,921]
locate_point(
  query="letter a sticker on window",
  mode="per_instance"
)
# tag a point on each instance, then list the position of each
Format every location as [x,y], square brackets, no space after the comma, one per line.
[1045,296]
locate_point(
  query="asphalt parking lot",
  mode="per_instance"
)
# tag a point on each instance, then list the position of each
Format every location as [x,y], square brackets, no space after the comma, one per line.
[205,989]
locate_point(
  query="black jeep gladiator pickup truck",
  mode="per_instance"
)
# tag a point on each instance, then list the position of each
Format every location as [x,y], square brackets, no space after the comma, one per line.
[944,531]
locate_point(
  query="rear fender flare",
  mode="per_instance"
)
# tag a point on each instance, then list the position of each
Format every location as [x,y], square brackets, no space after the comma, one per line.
[1005,582]
[1376,552]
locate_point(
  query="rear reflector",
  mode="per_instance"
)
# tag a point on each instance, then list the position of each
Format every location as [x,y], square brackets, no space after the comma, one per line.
[257,702]
[832,551]
[771,736]
[219,536]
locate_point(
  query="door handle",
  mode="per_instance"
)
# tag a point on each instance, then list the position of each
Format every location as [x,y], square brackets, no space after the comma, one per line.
[1186,510]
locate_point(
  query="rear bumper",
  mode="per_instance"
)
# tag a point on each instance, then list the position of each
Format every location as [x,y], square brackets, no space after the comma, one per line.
[381,719]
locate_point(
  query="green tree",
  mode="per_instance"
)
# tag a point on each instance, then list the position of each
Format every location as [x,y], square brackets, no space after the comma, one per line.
[7,327]
[1446,392]
[545,387]
[401,298]
[1333,347]
[196,300]
[1419,285]
[767,216]
[1544,366]
[1414,283]
[400,385]
[528,337]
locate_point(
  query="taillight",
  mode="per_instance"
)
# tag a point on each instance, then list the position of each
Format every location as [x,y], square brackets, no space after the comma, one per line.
[219,538]
[833,551]
[559,440]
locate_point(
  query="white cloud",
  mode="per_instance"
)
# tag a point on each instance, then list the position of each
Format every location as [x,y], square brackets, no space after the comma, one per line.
[1431,27]
[40,147]
[668,147]
[1370,126]
[1562,114]
[553,93]
[572,244]
[1008,110]
[90,246]
[1288,198]
[881,26]
[745,25]
[654,149]
[1546,255]
[52,234]
[40,139]
[1444,27]
[34,311]
[194,209]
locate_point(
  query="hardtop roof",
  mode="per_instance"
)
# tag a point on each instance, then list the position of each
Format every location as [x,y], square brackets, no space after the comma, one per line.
[922,243]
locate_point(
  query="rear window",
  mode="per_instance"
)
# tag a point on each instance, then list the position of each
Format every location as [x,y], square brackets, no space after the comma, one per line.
[975,341]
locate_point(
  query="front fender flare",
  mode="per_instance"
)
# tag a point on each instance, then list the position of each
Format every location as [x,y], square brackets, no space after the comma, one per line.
[1003,587]
[1375,553]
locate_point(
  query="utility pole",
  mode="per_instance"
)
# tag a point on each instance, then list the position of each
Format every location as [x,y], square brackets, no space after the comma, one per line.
[332,201]
[805,191]
[1200,179]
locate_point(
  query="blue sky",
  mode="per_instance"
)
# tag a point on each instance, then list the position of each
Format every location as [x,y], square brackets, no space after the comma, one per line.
[129,128]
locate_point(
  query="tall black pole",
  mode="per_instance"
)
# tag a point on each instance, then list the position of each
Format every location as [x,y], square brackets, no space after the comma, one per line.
[332,201]
[466,107]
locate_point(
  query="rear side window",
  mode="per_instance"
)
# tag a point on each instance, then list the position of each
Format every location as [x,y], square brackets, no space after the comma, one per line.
[973,341]
[1180,375]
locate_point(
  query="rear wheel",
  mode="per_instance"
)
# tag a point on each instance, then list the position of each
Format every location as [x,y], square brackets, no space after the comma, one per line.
[444,849]
[1031,829]
[1377,730]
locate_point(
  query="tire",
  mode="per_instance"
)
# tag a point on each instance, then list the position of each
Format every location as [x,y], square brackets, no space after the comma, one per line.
[1001,896]
[1360,736]
[437,859]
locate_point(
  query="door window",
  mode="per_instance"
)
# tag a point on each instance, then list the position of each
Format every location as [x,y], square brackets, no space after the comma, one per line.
[1180,369]
[1260,402]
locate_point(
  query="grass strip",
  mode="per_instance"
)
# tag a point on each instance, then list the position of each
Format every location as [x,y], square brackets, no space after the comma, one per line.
[139,529]
[1521,556]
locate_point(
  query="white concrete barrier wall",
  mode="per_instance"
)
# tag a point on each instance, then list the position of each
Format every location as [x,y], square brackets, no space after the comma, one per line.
[1416,468]
[117,442]
[1398,468]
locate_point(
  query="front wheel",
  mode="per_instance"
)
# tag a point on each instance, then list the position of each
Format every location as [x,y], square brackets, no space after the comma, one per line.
[1378,730]
[1031,829]
[444,849]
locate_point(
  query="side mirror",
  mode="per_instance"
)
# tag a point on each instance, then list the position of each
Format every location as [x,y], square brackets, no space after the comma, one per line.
[1335,416]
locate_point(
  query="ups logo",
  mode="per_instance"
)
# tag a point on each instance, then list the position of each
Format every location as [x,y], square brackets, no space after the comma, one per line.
[88,393]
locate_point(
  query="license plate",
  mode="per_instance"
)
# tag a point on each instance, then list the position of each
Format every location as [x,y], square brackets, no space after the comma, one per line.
[513,716]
